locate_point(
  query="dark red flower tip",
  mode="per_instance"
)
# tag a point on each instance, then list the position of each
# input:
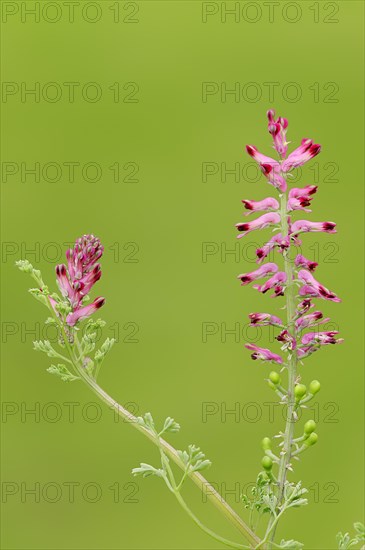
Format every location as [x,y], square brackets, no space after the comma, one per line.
[266,168]
[306,143]
[315,149]
[312,189]
[304,201]
[99,302]
[243,226]
[60,270]
[312,266]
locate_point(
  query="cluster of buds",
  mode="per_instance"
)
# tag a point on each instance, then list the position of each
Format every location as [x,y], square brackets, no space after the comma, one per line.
[77,279]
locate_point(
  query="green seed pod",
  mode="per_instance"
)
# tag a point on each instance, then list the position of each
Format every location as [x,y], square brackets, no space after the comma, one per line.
[314,387]
[271,385]
[312,439]
[309,426]
[266,443]
[300,390]
[274,377]
[266,463]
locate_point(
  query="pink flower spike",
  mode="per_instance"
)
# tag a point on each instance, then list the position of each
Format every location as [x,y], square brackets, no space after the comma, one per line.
[264,319]
[260,223]
[315,318]
[306,151]
[256,206]
[274,176]
[277,128]
[321,338]
[303,226]
[275,282]
[313,288]
[301,261]
[83,256]
[263,271]
[264,354]
[84,312]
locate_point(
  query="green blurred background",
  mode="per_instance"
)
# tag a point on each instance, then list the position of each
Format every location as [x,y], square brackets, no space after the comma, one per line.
[171,297]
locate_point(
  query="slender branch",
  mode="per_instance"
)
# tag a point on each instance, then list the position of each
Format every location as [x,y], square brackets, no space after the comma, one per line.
[171,452]
[198,479]
[204,528]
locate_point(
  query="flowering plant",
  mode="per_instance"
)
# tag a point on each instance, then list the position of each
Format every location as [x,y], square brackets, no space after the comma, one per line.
[78,359]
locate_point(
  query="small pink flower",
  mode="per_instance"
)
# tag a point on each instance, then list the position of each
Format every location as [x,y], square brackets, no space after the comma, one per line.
[287,339]
[304,306]
[260,223]
[313,288]
[264,354]
[301,261]
[256,206]
[306,151]
[277,128]
[270,167]
[303,226]
[264,319]
[307,191]
[83,312]
[274,177]
[64,285]
[321,338]
[315,318]
[262,159]
[263,271]
[276,240]
[299,204]
[305,351]
[82,272]
[275,282]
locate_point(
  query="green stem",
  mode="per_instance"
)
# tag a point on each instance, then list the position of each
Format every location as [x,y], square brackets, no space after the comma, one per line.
[171,484]
[204,528]
[198,479]
[270,530]
[292,368]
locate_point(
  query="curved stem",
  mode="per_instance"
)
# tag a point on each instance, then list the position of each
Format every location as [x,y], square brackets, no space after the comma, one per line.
[203,527]
[198,479]
[171,452]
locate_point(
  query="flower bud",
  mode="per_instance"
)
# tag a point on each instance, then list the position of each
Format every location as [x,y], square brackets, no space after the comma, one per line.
[299,391]
[309,426]
[312,439]
[314,387]
[266,463]
[274,377]
[266,443]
